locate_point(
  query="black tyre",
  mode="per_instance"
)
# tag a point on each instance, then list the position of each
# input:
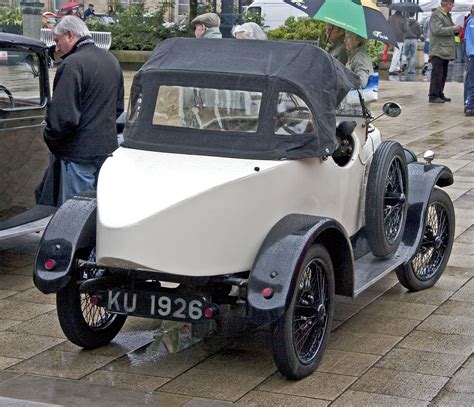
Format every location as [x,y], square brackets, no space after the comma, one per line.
[386,196]
[430,260]
[84,324]
[300,336]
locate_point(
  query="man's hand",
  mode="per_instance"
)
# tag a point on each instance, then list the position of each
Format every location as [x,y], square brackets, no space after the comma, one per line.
[457,28]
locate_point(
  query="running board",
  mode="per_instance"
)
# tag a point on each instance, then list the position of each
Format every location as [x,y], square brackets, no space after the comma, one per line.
[369,269]
[26,228]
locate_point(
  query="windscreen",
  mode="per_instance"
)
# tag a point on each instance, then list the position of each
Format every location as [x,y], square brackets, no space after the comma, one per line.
[207,108]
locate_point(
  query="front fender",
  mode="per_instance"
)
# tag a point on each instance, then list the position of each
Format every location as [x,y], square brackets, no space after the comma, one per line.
[280,257]
[72,228]
[422,178]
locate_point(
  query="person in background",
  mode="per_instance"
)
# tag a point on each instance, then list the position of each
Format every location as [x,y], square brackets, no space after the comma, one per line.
[399,24]
[359,60]
[88,96]
[111,12]
[206,26]
[426,45]
[469,80]
[463,41]
[442,49]
[335,36]
[249,31]
[410,45]
[90,12]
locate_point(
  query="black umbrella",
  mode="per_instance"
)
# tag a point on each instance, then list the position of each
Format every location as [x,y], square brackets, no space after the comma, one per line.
[406,6]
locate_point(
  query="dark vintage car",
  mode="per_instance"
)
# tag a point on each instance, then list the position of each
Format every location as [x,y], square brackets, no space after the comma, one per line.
[245,179]
[24,94]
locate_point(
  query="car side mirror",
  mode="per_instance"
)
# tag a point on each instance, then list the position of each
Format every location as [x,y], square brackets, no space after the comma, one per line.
[392,109]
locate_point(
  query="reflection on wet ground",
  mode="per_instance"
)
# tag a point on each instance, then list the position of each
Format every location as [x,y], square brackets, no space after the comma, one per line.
[455,74]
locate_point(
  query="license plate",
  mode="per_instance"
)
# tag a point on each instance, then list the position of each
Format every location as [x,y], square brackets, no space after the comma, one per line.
[157,305]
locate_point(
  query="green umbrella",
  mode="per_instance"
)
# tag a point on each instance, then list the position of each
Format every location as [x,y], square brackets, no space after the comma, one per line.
[362,17]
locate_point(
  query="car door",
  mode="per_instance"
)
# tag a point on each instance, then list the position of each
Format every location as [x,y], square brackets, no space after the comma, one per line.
[24,157]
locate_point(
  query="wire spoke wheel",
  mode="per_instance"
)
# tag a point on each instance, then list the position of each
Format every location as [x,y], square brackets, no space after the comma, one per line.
[394,202]
[432,255]
[300,335]
[310,316]
[386,199]
[82,321]
[95,317]
[434,244]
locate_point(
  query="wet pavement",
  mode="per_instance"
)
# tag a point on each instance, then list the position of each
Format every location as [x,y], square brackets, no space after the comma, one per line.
[389,347]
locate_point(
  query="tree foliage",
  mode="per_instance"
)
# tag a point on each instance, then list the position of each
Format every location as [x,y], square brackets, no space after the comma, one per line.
[11,15]
[304,28]
[138,30]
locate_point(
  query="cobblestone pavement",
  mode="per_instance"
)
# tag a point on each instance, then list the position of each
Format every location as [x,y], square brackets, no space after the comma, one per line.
[389,347]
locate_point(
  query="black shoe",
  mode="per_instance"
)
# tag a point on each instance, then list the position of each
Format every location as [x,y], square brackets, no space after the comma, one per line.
[424,69]
[469,112]
[446,99]
[436,100]
[392,73]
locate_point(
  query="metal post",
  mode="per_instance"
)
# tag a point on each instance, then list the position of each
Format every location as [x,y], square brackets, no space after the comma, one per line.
[32,11]
[228,18]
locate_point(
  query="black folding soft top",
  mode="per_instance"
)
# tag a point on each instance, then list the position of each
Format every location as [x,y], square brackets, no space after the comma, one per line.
[20,40]
[267,66]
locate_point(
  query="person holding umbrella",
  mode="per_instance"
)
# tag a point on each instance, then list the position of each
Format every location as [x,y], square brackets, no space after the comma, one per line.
[359,60]
[335,37]
[442,49]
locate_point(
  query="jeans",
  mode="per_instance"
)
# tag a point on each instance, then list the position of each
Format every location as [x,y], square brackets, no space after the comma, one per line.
[409,51]
[395,64]
[438,77]
[469,84]
[77,177]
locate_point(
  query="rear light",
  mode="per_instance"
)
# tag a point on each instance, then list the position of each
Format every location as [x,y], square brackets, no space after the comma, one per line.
[49,264]
[94,299]
[267,292]
[211,311]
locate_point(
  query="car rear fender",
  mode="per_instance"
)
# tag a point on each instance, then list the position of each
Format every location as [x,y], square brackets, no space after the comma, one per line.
[280,257]
[72,228]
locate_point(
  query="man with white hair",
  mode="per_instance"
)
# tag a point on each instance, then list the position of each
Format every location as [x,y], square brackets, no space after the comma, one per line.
[87,99]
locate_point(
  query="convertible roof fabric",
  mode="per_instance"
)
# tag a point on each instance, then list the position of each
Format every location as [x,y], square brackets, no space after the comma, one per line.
[21,40]
[272,66]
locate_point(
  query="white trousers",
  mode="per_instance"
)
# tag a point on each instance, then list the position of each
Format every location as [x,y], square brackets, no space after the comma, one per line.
[397,52]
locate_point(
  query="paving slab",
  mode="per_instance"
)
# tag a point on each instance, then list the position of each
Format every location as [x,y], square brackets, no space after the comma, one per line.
[396,309]
[438,342]
[448,324]
[62,364]
[456,308]
[362,399]
[362,342]
[258,398]
[23,311]
[463,380]
[130,381]
[420,361]
[203,383]
[466,293]
[450,399]
[24,346]
[346,363]
[319,385]
[384,325]
[79,393]
[400,384]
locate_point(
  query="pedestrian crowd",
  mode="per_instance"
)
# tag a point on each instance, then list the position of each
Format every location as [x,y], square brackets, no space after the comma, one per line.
[444,41]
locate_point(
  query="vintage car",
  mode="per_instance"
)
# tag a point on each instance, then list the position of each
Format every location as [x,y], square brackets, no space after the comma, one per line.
[24,93]
[242,181]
